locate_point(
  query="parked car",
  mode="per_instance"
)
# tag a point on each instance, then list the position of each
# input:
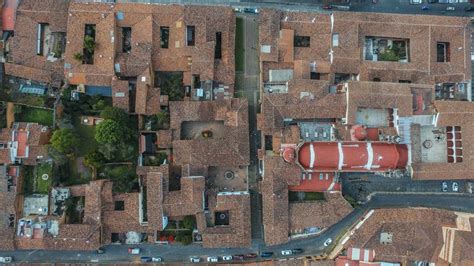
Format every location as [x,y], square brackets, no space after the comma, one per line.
[425,7]
[145,259]
[328,242]
[432,1]
[416,2]
[450,8]
[100,250]
[455,187]
[212,259]
[157,259]
[195,259]
[327,7]
[250,255]
[227,258]
[297,251]
[134,251]
[444,186]
[251,10]
[238,257]
[266,254]
[6,259]
[469,9]
[286,252]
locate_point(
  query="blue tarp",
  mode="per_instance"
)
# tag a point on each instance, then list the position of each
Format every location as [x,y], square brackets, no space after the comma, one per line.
[99,90]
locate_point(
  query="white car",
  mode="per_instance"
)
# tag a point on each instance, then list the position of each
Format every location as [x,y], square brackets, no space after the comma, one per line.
[327,242]
[134,251]
[6,259]
[286,252]
[212,259]
[450,8]
[455,187]
[195,259]
[227,258]
[156,259]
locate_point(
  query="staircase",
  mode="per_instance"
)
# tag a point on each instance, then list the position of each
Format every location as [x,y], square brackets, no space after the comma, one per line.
[404,125]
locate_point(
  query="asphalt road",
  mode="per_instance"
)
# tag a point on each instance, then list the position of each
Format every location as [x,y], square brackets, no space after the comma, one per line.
[360,186]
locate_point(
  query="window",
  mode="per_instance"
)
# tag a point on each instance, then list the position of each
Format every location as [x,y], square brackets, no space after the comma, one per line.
[315,75]
[335,39]
[190,35]
[126,39]
[40,38]
[376,80]
[302,41]
[404,81]
[218,48]
[119,205]
[165,37]
[442,52]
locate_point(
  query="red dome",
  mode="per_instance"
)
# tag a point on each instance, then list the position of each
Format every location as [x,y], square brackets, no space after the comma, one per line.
[289,154]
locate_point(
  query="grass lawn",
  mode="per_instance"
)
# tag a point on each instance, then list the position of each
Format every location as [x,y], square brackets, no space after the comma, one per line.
[40,116]
[42,186]
[305,196]
[239,45]
[29,180]
[86,135]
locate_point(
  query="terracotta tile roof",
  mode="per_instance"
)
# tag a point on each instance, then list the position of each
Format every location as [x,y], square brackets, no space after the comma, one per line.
[187,201]
[25,61]
[101,72]
[321,214]
[163,139]
[306,99]
[452,114]
[416,234]
[237,233]
[276,219]
[378,96]
[352,29]
[233,148]
[147,101]
[120,94]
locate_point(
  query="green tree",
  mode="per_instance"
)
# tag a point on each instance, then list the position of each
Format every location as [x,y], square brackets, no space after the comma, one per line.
[115,114]
[173,87]
[110,132]
[94,159]
[389,54]
[64,140]
[163,119]
[89,44]
[189,222]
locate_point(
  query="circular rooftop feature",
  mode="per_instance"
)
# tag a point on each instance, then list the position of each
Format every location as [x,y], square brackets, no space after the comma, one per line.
[45,177]
[427,144]
[229,175]
[289,155]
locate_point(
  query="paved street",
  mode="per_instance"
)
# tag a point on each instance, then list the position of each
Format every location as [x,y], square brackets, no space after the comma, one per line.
[359,186]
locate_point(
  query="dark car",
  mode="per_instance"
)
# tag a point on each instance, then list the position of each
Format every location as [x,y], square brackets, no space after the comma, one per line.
[266,254]
[250,255]
[146,259]
[432,1]
[100,250]
[469,9]
[327,7]
[238,257]
[297,250]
